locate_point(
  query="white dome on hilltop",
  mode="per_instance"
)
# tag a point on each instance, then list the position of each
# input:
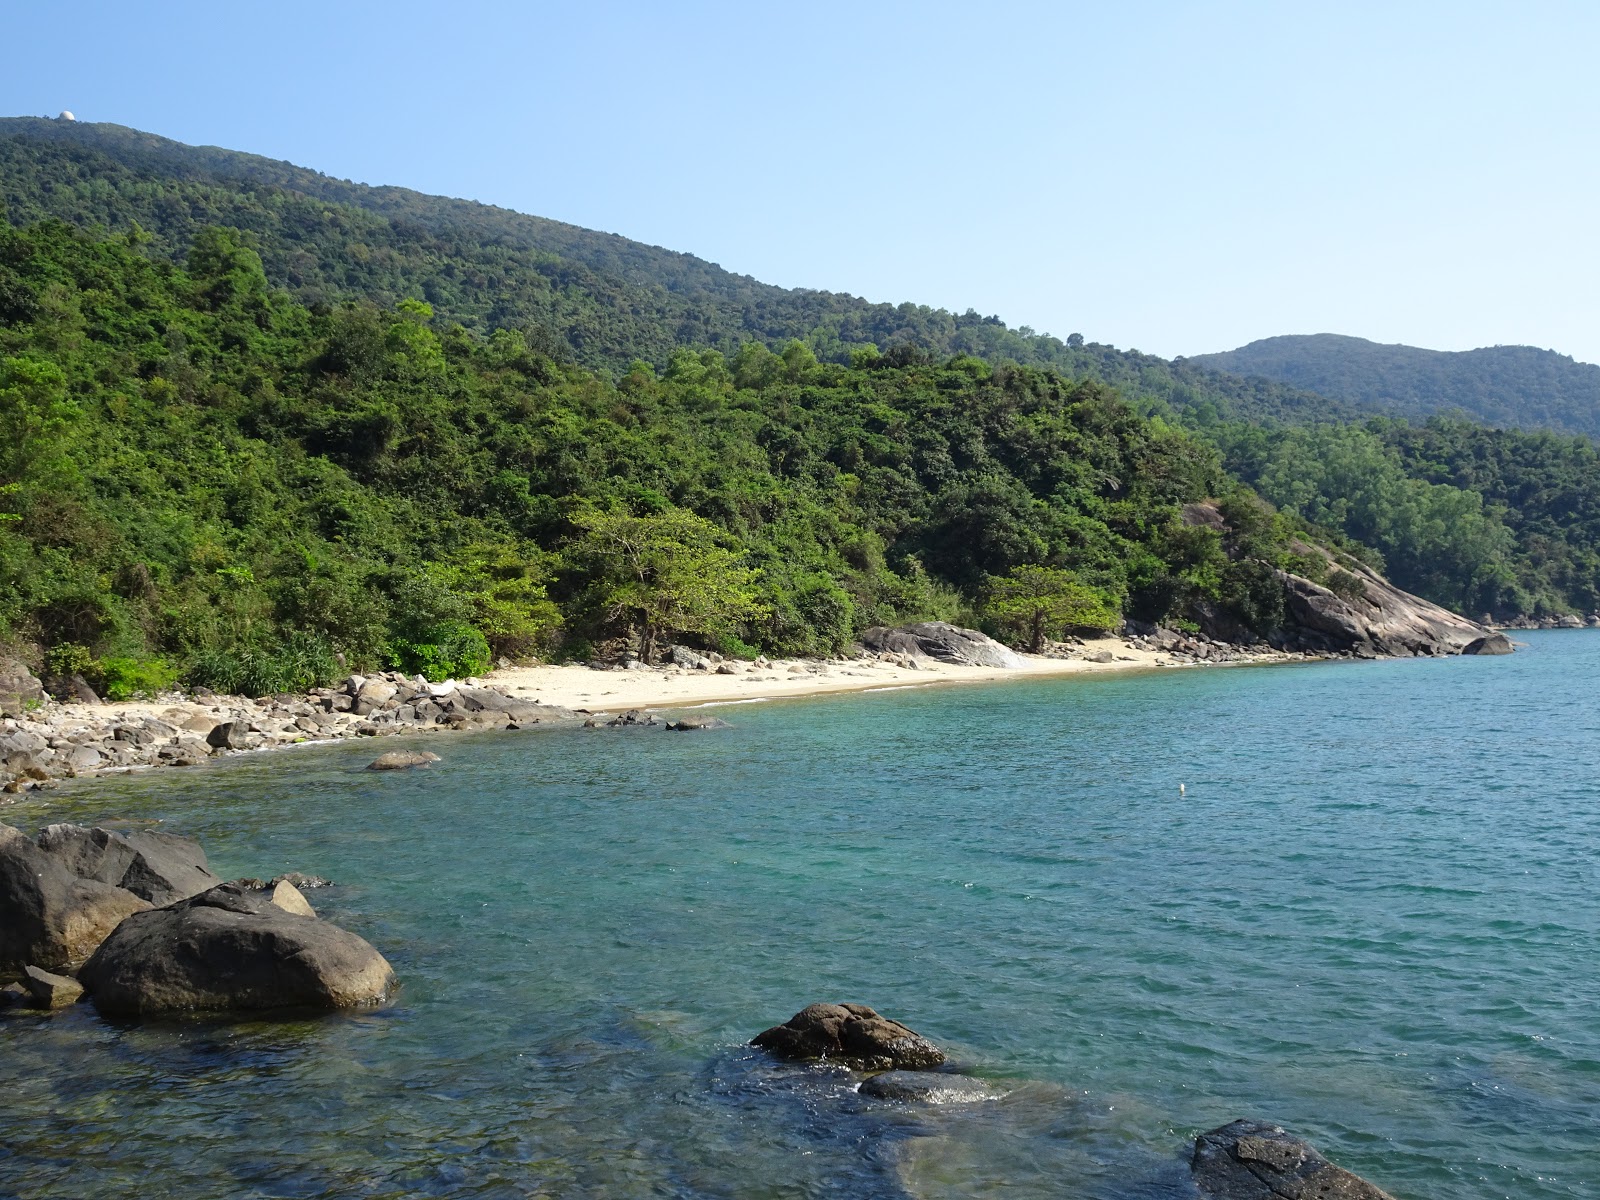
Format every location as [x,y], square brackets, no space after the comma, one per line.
[66,116]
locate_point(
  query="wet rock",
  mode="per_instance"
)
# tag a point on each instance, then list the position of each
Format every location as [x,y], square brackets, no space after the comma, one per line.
[1491,643]
[852,1034]
[696,724]
[234,735]
[48,990]
[226,949]
[53,919]
[1252,1160]
[941,641]
[634,718]
[401,760]
[927,1087]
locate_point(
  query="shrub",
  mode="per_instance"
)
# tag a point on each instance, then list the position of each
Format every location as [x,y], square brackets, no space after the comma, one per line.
[126,678]
[297,663]
[448,650]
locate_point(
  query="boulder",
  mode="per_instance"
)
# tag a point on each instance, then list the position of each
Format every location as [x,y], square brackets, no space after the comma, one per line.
[157,867]
[941,641]
[493,701]
[400,760]
[372,694]
[234,735]
[1382,618]
[226,949]
[53,919]
[287,897]
[1251,1160]
[48,990]
[927,1087]
[1490,643]
[696,724]
[77,688]
[20,689]
[852,1034]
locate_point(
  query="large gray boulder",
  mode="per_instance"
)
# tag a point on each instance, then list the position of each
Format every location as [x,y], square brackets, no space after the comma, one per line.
[49,917]
[20,689]
[1490,643]
[230,950]
[1251,1160]
[942,642]
[852,1034]
[157,867]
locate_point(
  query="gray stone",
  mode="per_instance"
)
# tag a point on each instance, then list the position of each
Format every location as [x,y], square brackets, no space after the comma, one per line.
[53,919]
[20,689]
[1252,1160]
[234,735]
[373,694]
[927,1087]
[288,897]
[155,866]
[852,1034]
[942,642]
[400,760]
[48,990]
[226,949]
[1490,643]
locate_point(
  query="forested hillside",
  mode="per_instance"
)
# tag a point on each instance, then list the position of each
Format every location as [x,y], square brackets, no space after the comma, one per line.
[1513,387]
[603,300]
[200,475]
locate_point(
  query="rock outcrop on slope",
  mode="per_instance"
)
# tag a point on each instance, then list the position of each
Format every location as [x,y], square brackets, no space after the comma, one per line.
[1374,618]
[231,950]
[941,642]
[1251,1160]
[851,1034]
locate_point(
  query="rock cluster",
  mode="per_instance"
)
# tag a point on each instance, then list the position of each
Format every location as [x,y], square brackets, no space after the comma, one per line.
[1565,621]
[941,642]
[140,923]
[51,740]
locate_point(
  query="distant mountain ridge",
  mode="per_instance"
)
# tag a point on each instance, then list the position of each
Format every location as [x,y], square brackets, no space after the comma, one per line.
[1516,387]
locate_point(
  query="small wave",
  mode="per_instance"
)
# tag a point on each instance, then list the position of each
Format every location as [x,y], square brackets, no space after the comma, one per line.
[729,703]
[898,687]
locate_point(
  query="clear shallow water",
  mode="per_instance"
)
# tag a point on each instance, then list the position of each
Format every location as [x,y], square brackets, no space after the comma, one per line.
[1372,918]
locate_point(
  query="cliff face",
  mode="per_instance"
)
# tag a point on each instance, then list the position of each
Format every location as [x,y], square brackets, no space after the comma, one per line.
[1373,618]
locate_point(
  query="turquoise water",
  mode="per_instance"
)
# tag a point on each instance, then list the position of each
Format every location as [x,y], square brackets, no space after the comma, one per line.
[1372,918]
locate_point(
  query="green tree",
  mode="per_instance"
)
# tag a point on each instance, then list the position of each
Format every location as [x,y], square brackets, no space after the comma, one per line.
[1037,600]
[665,573]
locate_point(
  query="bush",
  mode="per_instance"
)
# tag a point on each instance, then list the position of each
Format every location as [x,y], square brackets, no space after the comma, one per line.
[126,678]
[451,650]
[298,663]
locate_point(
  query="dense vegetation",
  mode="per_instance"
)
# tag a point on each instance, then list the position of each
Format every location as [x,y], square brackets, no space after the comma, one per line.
[1514,387]
[1479,519]
[203,476]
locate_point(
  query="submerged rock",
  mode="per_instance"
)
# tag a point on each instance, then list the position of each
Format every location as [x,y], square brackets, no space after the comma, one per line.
[927,1087]
[941,641]
[400,760]
[226,949]
[695,724]
[852,1034]
[1251,1160]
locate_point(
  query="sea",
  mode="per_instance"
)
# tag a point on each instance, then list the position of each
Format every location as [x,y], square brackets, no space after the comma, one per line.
[1360,900]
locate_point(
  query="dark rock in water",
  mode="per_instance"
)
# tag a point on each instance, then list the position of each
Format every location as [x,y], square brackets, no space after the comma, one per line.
[927,1087]
[234,735]
[634,718]
[400,760]
[1493,643]
[1251,1160]
[52,919]
[230,950]
[300,881]
[48,990]
[853,1034]
[694,724]
[941,641]
[20,689]
[158,867]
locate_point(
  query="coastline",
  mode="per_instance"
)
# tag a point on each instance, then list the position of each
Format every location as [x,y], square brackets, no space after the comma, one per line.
[73,740]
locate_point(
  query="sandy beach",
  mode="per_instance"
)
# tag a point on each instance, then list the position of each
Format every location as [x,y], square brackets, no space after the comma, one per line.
[579,687]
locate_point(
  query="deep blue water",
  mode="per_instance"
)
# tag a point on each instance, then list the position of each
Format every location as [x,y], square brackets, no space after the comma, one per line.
[1373,918]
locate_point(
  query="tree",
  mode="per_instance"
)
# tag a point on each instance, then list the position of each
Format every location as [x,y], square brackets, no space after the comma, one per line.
[664,573]
[1039,599]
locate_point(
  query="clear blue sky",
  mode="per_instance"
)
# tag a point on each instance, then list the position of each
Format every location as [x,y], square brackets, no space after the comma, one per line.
[1175,177]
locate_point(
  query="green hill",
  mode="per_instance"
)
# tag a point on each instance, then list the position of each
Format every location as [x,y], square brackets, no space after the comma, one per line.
[1510,387]
[598,298]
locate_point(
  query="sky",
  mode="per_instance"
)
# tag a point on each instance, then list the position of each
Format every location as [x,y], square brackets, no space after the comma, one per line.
[1172,177]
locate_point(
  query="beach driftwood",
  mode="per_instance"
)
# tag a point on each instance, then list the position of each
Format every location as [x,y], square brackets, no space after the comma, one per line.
[1252,1160]
[852,1034]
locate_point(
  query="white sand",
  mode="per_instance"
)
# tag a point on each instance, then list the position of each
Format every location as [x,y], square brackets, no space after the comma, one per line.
[612,691]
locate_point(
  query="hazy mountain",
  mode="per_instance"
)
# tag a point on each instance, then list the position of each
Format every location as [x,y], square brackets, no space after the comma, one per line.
[1518,387]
